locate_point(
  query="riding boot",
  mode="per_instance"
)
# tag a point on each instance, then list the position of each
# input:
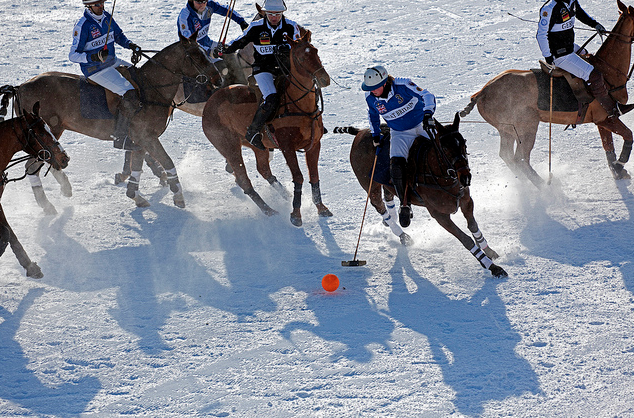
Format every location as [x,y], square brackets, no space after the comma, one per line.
[262,115]
[398,168]
[130,104]
[599,90]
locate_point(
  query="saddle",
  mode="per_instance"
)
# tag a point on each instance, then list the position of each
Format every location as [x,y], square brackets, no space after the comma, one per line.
[97,102]
[570,93]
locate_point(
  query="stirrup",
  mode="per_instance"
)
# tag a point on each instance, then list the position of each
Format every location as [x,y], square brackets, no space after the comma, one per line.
[256,140]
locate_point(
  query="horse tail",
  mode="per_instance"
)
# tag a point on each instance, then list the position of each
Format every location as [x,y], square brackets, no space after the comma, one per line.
[474,99]
[346,130]
[6,93]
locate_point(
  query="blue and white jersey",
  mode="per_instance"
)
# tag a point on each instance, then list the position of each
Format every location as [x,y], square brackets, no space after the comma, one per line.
[189,21]
[404,107]
[89,36]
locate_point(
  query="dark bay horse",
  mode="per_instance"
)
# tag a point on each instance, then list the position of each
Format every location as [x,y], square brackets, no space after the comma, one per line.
[28,133]
[158,80]
[297,126]
[509,103]
[439,179]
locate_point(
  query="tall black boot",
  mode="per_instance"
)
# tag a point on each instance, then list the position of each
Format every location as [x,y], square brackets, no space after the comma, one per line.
[599,90]
[262,114]
[129,105]
[398,168]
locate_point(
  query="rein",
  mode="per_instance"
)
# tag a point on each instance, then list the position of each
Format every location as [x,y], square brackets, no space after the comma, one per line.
[25,137]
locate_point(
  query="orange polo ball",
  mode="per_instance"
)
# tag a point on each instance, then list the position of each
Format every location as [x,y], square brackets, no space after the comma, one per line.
[330,282]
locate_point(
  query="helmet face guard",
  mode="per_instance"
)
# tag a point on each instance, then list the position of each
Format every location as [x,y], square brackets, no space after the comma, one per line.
[374,78]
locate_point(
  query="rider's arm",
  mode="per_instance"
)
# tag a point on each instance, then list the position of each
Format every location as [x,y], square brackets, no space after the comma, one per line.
[216,8]
[249,35]
[78,45]
[585,17]
[373,115]
[545,14]
[428,99]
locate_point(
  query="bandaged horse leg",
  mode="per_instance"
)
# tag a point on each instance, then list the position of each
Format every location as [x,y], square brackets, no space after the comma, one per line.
[617,167]
[157,169]
[65,187]
[33,174]
[389,219]
[316,193]
[297,204]
[125,171]
[136,165]
[7,236]
[175,187]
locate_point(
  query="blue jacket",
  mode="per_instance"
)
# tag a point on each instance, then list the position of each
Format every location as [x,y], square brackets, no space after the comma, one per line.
[89,36]
[189,21]
[403,108]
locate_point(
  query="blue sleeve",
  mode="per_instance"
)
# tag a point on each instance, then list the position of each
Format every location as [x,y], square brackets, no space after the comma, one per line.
[223,10]
[373,116]
[119,36]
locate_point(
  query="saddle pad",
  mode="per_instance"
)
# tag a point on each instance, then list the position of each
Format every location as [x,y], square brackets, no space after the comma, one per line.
[92,101]
[564,99]
[195,92]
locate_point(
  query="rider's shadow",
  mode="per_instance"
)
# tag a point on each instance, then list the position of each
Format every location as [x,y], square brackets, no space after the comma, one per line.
[471,340]
[20,385]
[550,239]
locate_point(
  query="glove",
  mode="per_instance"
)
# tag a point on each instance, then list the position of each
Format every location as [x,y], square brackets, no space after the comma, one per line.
[134,47]
[100,55]
[218,51]
[599,27]
[549,60]
[378,140]
[428,121]
[244,25]
[282,49]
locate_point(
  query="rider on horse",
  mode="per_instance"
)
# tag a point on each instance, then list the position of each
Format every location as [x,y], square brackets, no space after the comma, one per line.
[269,36]
[408,111]
[556,38]
[196,16]
[96,57]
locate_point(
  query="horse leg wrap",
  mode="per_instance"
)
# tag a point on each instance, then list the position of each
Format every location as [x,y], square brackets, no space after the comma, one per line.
[35,180]
[173,181]
[390,221]
[297,195]
[316,193]
[625,153]
[479,239]
[484,260]
[391,208]
[133,186]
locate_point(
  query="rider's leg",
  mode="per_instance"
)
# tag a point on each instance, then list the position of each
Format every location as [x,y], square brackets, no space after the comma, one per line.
[266,83]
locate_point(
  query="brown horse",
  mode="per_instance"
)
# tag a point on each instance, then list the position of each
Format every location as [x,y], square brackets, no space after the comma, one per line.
[158,80]
[297,125]
[28,133]
[438,179]
[509,103]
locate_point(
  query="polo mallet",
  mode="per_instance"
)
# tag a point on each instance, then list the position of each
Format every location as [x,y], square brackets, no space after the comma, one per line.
[109,24]
[354,262]
[550,130]
[225,25]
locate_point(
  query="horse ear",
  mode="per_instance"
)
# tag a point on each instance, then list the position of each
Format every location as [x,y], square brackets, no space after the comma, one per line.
[621,6]
[259,9]
[36,109]
[307,35]
[191,39]
[456,121]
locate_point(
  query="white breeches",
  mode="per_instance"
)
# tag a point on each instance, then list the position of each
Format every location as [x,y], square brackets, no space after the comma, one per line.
[401,141]
[266,83]
[111,79]
[574,64]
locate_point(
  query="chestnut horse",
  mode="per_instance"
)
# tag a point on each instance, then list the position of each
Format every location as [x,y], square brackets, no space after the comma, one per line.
[158,80]
[297,125]
[28,133]
[509,103]
[438,178]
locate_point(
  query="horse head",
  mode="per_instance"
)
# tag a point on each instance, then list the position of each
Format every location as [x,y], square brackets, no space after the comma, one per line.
[454,146]
[39,142]
[306,62]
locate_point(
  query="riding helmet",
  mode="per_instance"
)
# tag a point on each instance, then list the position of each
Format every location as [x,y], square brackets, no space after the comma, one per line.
[374,78]
[274,6]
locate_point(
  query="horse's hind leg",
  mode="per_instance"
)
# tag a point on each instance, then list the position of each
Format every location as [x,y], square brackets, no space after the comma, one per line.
[264,168]
[7,236]
[33,174]
[516,144]
[605,130]
[136,166]
[154,147]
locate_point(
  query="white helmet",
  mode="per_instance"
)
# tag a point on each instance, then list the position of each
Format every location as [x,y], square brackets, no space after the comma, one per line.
[89,2]
[274,6]
[374,78]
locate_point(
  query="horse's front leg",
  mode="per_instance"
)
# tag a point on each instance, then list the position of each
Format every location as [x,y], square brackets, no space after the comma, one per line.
[33,168]
[136,166]
[605,130]
[466,206]
[445,221]
[312,161]
[387,209]
[262,159]
[154,147]
[298,181]
[7,236]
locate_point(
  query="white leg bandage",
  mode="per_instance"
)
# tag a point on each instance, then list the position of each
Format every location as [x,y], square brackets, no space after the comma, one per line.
[479,239]
[34,179]
[481,257]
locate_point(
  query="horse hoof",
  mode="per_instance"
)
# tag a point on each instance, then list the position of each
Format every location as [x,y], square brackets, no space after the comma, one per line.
[297,221]
[120,178]
[498,271]
[406,240]
[325,213]
[179,200]
[140,201]
[490,253]
[33,271]
[623,175]
[66,190]
[163,180]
